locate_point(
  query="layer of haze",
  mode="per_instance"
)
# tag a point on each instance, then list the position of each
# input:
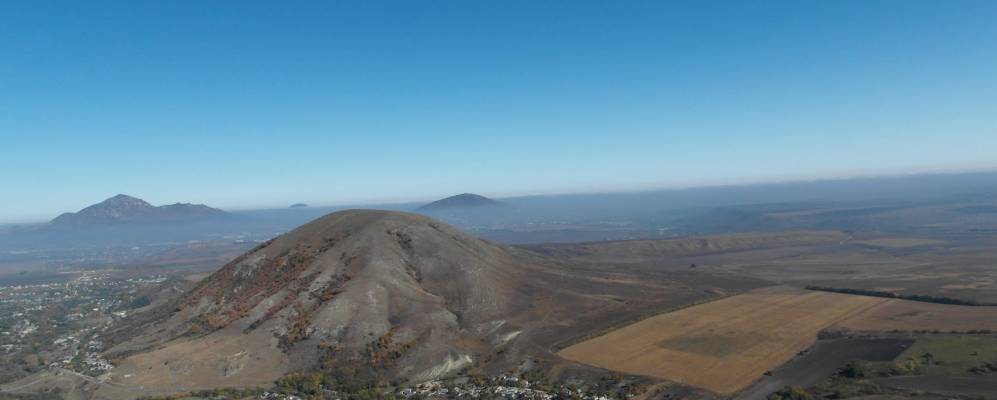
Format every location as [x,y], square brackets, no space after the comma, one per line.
[256,104]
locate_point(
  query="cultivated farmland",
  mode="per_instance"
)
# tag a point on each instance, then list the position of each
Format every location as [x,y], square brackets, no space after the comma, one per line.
[906,315]
[722,346]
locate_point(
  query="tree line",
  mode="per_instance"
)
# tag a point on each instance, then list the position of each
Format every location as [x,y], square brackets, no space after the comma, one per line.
[912,297]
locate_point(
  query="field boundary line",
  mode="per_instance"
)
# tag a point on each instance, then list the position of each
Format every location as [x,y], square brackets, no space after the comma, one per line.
[557,347]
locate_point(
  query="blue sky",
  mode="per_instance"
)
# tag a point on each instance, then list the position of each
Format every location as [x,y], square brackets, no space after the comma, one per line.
[256,104]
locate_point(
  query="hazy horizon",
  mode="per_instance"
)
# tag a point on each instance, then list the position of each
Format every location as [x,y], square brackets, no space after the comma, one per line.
[249,105]
[500,196]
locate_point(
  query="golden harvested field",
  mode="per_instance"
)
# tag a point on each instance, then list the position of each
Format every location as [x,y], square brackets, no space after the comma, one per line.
[725,345]
[906,315]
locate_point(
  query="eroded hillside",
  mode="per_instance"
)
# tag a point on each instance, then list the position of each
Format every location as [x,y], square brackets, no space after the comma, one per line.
[389,296]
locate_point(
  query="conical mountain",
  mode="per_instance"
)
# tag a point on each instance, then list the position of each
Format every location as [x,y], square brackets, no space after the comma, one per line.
[400,295]
[372,295]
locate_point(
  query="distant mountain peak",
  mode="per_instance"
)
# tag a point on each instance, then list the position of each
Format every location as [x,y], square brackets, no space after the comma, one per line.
[124,200]
[123,208]
[461,201]
[124,197]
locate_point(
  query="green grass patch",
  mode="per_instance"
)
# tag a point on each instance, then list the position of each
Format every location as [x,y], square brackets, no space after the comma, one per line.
[950,354]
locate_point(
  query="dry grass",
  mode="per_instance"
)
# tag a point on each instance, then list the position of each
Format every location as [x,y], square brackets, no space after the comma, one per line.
[906,315]
[226,359]
[722,346]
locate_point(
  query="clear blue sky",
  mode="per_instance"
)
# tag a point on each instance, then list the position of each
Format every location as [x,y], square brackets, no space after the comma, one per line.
[253,104]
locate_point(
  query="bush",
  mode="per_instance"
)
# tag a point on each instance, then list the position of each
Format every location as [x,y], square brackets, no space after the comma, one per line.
[791,393]
[855,370]
[910,366]
[307,384]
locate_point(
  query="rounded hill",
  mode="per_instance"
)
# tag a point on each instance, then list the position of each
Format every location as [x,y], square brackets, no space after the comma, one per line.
[460,202]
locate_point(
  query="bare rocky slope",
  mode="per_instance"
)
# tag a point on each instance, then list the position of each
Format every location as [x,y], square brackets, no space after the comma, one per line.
[386,294]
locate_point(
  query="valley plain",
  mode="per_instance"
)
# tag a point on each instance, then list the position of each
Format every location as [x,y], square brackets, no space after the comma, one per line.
[723,345]
[385,302]
[726,345]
